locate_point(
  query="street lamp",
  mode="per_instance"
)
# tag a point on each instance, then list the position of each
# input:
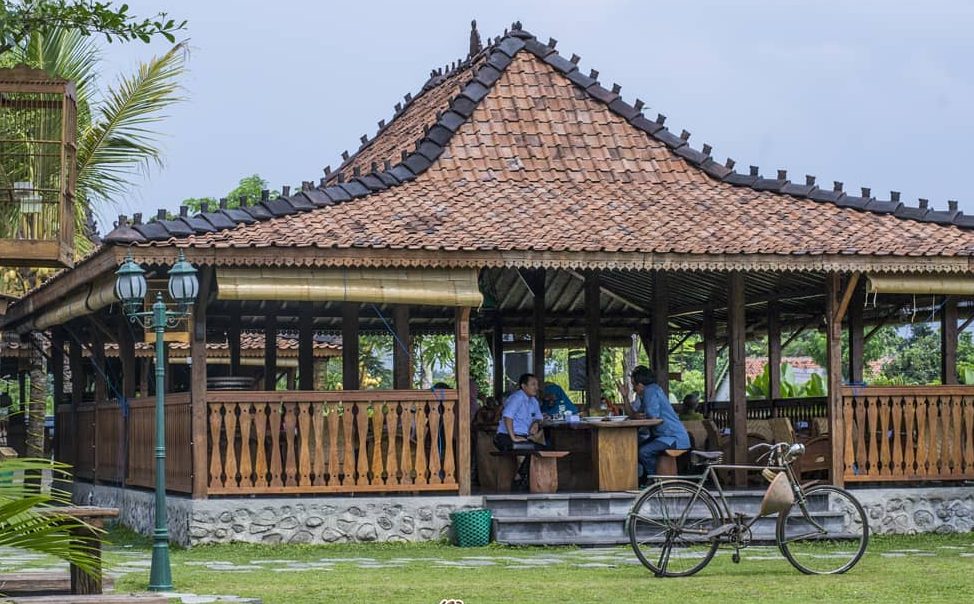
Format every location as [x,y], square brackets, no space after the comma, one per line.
[131,288]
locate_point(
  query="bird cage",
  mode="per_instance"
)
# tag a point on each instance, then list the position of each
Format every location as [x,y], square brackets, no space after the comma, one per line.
[38,149]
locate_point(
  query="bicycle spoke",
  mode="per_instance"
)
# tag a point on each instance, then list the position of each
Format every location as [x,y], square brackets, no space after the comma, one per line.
[827,535]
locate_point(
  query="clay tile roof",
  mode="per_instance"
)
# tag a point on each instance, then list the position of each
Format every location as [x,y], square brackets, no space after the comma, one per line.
[516,149]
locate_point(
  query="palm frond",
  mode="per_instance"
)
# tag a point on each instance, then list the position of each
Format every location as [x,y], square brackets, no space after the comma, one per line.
[65,54]
[29,517]
[120,137]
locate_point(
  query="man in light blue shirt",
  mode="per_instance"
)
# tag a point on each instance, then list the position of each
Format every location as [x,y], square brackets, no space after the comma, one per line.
[521,417]
[652,402]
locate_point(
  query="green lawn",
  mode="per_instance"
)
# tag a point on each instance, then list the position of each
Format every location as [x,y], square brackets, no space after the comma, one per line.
[895,569]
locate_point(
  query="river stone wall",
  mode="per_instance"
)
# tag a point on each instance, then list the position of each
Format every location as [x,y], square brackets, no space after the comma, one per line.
[325,520]
[137,508]
[903,511]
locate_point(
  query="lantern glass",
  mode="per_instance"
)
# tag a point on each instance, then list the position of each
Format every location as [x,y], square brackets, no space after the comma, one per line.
[130,284]
[183,283]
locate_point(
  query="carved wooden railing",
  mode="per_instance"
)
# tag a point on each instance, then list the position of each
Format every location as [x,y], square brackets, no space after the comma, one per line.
[795,409]
[909,433]
[332,442]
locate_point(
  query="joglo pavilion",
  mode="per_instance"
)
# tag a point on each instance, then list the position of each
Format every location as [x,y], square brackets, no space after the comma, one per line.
[513,195]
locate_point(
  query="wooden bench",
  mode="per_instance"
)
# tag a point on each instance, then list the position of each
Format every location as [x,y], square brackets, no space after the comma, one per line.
[666,462]
[142,598]
[543,473]
[82,583]
[29,583]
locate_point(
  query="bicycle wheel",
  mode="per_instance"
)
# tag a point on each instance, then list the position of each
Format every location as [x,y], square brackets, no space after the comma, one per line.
[668,528]
[827,537]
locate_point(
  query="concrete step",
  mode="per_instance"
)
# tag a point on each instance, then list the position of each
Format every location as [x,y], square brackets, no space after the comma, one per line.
[608,529]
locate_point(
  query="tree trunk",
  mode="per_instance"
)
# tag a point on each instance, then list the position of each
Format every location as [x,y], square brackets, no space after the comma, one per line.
[37,407]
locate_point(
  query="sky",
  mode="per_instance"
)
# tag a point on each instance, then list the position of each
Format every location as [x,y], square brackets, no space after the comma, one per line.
[871,93]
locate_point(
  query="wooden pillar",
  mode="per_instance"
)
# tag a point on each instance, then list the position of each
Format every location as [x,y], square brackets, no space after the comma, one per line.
[350,350]
[57,386]
[98,368]
[709,355]
[289,378]
[736,328]
[77,372]
[948,341]
[126,356]
[857,340]
[660,357]
[233,339]
[197,382]
[774,353]
[144,366]
[497,350]
[270,348]
[593,339]
[537,283]
[306,347]
[463,394]
[833,362]
[402,374]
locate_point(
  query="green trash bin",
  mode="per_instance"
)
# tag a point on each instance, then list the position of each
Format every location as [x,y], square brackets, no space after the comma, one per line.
[471,528]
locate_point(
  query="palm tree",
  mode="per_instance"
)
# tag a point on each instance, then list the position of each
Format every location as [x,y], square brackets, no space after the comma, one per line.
[117,135]
[116,139]
[29,521]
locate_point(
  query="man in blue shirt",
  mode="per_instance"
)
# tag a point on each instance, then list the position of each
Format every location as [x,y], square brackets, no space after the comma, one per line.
[521,418]
[651,402]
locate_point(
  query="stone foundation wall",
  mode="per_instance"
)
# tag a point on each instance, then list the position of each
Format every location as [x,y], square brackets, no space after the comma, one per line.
[902,511]
[325,520]
[137,508]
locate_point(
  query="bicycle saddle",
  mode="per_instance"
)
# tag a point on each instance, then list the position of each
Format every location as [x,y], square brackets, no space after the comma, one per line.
[706,457]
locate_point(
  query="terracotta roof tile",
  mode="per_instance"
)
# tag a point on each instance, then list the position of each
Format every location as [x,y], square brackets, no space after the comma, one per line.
[544,164]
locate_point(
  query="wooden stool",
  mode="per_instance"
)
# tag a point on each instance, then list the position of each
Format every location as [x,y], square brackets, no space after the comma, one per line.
[666,462]
[543,475]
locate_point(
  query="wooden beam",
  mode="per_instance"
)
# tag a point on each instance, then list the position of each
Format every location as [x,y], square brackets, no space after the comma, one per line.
[834,368]
[613,294]
[350,345]
[233,339]
[270,348]
[738,373]
[402,374]
[56,368]
[463,404]
[948,342]
[709,355]
[967,322]
[680,342]
[98,368]
[197,384]
[850,288]
[306,346]
[774,351]
[801,329]
[497,350]
[538,333]
[660,359]
[857,341]
[593,338]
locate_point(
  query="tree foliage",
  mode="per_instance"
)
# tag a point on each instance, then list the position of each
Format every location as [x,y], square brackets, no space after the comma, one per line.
[248,190]
[21,19]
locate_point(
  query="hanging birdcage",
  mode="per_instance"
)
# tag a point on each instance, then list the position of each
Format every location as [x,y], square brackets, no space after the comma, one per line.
[38,148]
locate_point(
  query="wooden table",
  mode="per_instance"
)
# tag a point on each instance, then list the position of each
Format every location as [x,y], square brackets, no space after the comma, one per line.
[604,455]
[82,583]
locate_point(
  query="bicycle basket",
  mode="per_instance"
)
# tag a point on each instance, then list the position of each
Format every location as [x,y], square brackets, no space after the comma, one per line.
[779,497]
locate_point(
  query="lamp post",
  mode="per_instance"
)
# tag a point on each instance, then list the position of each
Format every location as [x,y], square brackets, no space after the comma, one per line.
[131,288]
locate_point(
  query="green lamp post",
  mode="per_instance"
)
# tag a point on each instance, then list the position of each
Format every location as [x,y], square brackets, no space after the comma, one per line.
[131,288]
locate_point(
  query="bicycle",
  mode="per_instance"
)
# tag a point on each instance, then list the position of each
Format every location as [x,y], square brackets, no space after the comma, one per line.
[676,525]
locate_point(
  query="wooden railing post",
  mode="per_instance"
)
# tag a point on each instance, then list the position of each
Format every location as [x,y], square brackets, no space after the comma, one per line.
[463,394]
[197,352]
[833,317]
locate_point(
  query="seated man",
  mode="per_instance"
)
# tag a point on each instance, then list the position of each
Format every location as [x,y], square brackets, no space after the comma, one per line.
[555,401]
[651,402]
[520,424]
[690,404]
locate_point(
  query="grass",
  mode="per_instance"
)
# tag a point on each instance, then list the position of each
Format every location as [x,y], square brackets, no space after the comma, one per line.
[945,576]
